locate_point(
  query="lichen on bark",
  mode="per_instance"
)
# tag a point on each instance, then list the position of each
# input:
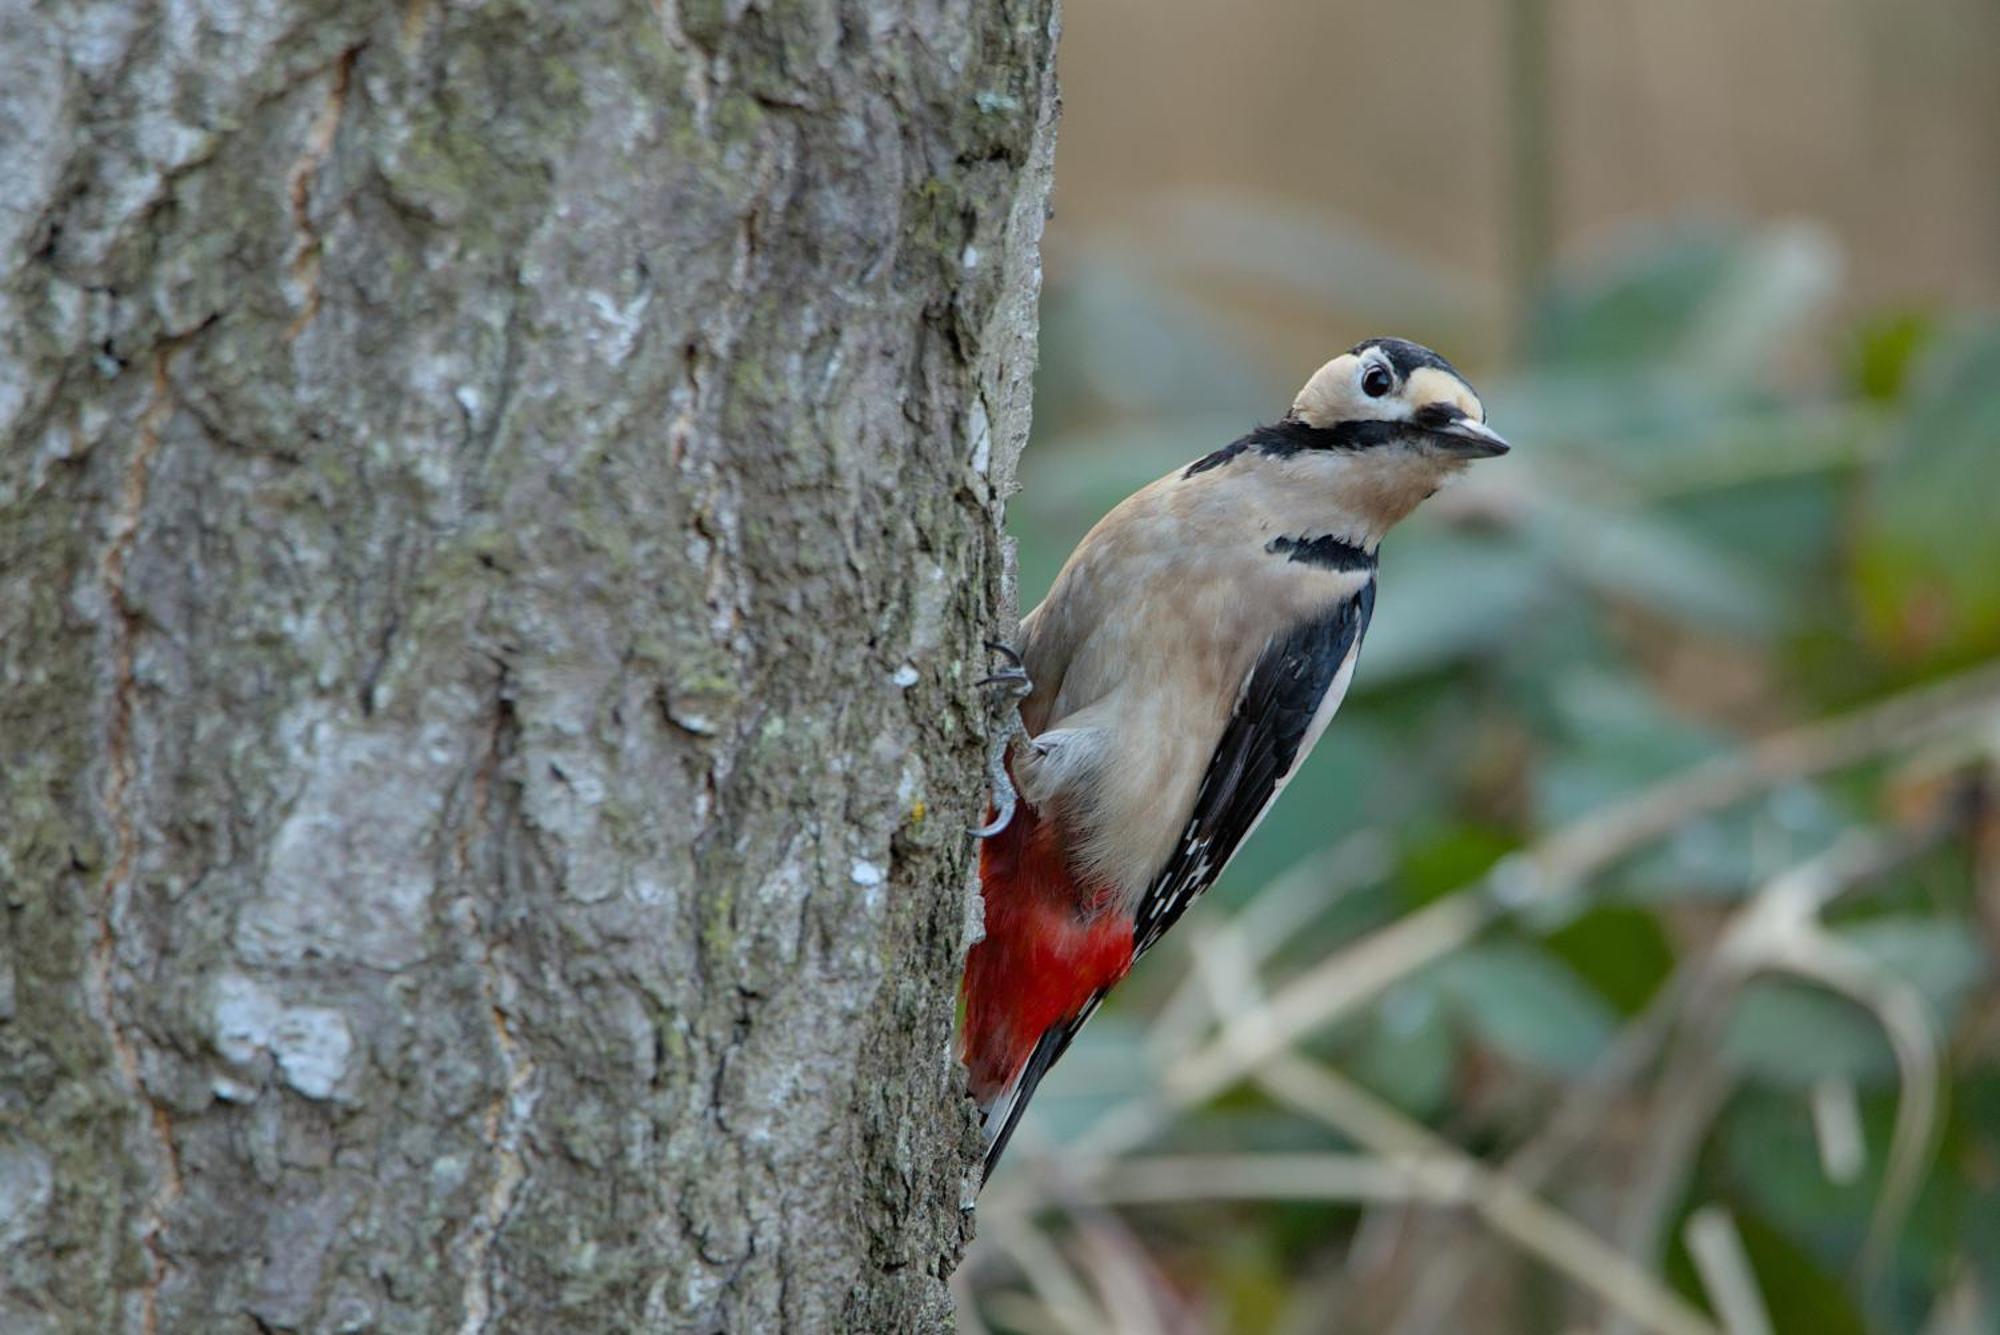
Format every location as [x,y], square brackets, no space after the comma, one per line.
[498,509]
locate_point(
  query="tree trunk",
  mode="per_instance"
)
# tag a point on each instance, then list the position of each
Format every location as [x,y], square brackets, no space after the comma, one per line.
[498,512]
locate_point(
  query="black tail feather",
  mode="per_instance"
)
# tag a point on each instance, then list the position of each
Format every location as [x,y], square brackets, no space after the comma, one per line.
[1011,1104]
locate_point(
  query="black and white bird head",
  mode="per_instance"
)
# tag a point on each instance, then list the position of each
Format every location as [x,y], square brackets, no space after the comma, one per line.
[1384,425]
[1388,393]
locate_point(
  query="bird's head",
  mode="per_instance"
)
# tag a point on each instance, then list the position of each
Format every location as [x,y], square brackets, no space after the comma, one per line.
[1394,420]
[1388,393]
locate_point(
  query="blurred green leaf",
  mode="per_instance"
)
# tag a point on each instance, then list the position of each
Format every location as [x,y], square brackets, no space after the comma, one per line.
[1884,350]
[1646,559]
[1795,1035]
[1798,1293]
[1524,1003]
[1436,860]
[1939,957]
[1617,737]
[1406,1052]
[1712,297]
[1771,1153]
[1444,599]
[1618,950]
[1927,565]
[1787,528]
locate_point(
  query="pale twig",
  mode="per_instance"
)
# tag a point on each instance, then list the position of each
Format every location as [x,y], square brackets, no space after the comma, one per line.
[1961,1308]
[1165,1179]
[1836,1116]
[1319,997]
[1061,1292]
[1905,1018]
[1116,1265]
[1510,1210]
[1547,873]
[1692,996]
[1692,1088]
[1578,1117]
[1437,1171]
[1782,932]
[1306,890]
[1717,1251]
[1262,926]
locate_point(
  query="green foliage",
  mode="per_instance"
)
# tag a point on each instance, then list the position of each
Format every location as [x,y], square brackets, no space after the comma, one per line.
[1927,565]
[1524,1004]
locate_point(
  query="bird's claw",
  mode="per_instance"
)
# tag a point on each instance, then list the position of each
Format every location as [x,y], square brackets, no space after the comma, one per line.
[1005,800]
[1014,676]
[1003,816]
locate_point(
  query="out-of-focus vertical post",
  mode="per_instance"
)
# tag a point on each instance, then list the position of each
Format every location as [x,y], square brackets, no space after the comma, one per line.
[1532,166]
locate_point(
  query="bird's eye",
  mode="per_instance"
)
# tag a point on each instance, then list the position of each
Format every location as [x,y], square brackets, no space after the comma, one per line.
[1376,381]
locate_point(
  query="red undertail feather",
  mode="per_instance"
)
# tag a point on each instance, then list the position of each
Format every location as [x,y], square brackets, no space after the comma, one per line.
[1045,959]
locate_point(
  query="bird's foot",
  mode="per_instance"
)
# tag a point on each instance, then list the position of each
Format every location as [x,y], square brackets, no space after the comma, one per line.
[1014,676]
[1016,685]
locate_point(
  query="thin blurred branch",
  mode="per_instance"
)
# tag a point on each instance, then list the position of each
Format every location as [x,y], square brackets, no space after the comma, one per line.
[1163,1179]
[1691,1089]
[1255,932]
[1782,931]
[1121,1273]
[1836,1114]
[1694,999]
[1579,1115]
[1509,1209]
[1061,1292]
[1717,1249]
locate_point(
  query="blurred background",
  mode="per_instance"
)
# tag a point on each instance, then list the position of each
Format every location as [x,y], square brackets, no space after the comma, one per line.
[1624,959]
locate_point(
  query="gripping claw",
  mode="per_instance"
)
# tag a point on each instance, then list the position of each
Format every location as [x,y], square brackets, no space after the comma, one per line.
[1014,677]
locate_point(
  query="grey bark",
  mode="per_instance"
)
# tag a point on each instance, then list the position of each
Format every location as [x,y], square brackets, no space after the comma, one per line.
[498,509]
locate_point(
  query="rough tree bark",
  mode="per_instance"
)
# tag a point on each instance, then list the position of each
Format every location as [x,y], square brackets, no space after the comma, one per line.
[497,516]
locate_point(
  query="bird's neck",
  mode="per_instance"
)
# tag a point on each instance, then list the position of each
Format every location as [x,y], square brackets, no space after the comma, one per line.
[1355,498]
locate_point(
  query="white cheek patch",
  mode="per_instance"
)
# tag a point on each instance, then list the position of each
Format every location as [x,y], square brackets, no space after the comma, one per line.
[1331,393]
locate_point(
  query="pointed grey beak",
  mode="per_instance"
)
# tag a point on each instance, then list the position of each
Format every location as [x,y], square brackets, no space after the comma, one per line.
[1474,440]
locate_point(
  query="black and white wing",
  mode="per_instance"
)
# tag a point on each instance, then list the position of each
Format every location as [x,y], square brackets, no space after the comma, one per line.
[1285,703]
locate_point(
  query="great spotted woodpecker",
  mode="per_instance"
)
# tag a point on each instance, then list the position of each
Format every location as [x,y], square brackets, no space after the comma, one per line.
[1186,659]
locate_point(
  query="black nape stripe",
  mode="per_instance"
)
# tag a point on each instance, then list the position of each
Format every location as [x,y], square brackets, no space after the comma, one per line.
[1327,552]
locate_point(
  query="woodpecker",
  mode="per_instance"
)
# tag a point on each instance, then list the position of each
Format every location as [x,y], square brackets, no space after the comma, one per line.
[1187,657]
